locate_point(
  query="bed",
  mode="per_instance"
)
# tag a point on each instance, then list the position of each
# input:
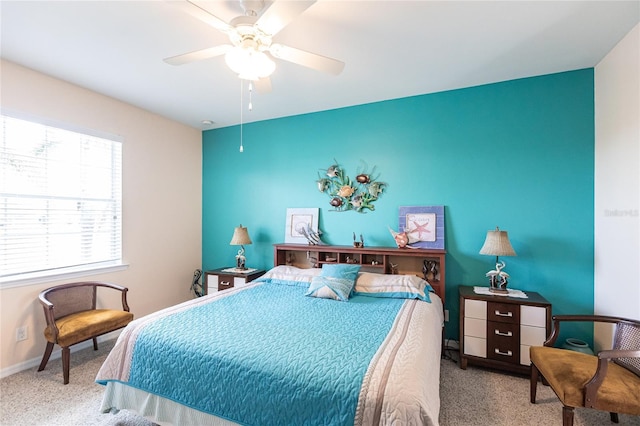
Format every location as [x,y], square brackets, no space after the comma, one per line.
[331,346]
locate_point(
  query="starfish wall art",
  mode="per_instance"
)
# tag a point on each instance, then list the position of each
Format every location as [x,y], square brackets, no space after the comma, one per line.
[423,226]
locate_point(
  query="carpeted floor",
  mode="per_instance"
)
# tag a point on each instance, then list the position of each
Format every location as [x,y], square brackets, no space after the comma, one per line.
[468,397]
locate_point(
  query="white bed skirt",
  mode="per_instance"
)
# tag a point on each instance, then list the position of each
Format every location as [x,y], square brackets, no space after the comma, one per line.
[157,409]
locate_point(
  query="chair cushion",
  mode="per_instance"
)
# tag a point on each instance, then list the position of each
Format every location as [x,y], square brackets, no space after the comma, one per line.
[78,327]
[568,372]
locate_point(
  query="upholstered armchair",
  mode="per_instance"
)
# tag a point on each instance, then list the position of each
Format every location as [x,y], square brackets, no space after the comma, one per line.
[608,381]
[71,316]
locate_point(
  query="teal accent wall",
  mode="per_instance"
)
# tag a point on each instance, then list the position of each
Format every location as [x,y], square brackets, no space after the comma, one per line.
[517,154]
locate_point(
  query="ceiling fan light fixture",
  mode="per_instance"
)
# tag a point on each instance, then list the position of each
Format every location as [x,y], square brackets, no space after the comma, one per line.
[249,63]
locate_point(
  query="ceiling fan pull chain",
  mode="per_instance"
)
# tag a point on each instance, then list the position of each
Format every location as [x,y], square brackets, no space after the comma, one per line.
[241,93]
[250,93]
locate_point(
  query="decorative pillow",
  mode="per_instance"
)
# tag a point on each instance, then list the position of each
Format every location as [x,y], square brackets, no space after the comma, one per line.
[393,286]
[334,282]
[289,275]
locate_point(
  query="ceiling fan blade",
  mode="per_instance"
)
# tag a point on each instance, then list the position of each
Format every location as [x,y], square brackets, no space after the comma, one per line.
[280,13]
[263,85]
[202,14]
[198,55]
[307,59]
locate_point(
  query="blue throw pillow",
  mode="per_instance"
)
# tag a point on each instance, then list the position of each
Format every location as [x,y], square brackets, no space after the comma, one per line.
[335,282]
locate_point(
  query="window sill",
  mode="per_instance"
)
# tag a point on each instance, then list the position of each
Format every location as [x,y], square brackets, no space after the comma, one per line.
[62,274]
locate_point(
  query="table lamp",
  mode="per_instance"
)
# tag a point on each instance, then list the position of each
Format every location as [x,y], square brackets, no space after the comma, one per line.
[240,238]
[497,244]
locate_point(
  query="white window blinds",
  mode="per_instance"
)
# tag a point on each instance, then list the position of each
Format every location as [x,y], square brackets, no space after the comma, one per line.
[60,199]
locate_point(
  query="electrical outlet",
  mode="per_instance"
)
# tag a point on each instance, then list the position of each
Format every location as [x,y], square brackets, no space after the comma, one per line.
[21,333]
[446,315]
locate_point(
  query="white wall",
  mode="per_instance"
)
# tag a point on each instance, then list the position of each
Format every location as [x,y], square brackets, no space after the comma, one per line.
[617,183]
[162,204]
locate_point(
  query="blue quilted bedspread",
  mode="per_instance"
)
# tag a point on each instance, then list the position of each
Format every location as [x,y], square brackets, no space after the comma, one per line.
[266,355]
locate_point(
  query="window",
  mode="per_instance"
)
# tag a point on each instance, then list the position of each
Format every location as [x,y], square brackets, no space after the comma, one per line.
[60,200]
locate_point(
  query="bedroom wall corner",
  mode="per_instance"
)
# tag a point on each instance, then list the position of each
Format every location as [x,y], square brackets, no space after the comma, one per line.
[162,215]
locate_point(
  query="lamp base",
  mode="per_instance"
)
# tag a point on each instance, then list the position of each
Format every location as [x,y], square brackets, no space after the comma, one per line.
[498,286]
[241,259]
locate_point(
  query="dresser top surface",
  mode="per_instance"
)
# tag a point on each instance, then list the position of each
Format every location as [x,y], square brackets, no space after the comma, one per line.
[532,298]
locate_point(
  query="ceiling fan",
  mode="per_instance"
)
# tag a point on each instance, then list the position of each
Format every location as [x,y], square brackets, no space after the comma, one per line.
[251,37]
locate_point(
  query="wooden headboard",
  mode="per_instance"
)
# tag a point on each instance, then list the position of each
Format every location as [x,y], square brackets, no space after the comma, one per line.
[383,260]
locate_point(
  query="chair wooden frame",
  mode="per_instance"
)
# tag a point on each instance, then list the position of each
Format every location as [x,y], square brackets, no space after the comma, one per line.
[51,316]
[592,386]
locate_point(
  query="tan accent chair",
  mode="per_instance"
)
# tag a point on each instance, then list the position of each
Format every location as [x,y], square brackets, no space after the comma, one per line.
[591,381]
[72,317]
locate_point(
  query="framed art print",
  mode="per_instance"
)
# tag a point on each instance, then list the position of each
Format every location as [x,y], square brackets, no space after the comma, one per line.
[424,226]
[298,220]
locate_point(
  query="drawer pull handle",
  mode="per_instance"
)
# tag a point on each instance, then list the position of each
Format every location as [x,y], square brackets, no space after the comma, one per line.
[224,283]
[506,314]
[507,353]
[507,334]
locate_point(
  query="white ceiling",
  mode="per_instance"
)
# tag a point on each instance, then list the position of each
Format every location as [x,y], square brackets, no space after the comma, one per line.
[392,49]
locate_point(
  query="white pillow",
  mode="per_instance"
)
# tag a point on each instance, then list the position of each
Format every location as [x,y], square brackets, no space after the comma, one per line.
[393,286]
[290,275]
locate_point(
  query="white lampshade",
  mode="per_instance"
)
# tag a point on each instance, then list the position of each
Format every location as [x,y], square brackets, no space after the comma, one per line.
[497,244]
[249,63]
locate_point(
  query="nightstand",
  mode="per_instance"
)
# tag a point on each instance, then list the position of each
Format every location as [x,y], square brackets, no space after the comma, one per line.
[496,331]
[225,278]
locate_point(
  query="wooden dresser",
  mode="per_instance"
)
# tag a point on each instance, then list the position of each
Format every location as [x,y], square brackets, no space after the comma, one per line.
[497,331]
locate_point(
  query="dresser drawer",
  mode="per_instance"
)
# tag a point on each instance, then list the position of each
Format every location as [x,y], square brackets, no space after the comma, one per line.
[475,346]
[535,316]
[475,327]
[503,342]
[503,330]
[503,312]
[505,352]
[229,281]
[475,309]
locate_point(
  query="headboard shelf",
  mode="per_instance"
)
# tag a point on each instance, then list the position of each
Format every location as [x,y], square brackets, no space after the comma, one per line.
[384,260]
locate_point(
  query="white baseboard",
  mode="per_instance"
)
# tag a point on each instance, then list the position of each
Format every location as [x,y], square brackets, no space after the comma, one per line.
[57,353]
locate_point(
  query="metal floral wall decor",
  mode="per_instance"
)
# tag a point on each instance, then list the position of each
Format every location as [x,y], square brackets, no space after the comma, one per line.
[346,194]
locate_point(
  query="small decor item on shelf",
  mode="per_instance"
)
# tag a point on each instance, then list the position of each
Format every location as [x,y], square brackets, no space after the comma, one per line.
[401,238]
[313,237]
[291,258]
[240,238]
[358,244]
[497,244]
[345,194]
[430,270]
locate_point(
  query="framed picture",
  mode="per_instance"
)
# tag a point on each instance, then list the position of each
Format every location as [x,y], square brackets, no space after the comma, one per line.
[424,226]
[299,220]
